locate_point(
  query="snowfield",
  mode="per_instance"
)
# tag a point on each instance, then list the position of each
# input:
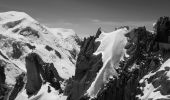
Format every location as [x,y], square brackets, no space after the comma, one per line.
[112,49]
[27,30]
[43,94]
[20,35]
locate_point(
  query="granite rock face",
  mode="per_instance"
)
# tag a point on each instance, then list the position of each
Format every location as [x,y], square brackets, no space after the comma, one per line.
[2,82]
[87,66]
[36,67]
[162,28]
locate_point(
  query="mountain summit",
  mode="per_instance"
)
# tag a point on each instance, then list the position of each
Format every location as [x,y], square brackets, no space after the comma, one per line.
[34,57]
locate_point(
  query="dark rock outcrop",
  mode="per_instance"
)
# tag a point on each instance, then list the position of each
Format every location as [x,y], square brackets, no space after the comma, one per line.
[2,82]
[16,50]
[28,31]
[35,67]
[30,46]
[58,54]
[3,55]
[87,66]
[73,53]
[18,87]
[48,48]
[2,75]
[162,29]
[12,24]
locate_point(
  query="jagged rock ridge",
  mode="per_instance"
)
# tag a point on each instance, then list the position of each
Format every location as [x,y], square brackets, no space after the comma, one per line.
[85,70]
[141,75]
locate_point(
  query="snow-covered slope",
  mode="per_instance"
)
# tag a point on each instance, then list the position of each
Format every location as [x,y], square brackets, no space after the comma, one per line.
[112,48]
[21,35]
[65,38]
[21,28]
[156,84]
[36,61]
[43,94]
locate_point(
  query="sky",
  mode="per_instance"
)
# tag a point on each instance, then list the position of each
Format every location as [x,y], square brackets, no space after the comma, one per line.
[86,16]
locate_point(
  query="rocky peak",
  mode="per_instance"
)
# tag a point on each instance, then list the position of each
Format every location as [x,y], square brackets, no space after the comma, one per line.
[140,69]
[162,28]
[36,67]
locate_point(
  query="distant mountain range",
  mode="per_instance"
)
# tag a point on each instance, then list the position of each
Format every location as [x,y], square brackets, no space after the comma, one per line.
[41,63]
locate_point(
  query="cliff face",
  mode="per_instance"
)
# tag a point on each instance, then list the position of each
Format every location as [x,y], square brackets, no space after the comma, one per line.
[39,71]
[34,80]
[86,58]
[162,29]
[87,66]
[2,82]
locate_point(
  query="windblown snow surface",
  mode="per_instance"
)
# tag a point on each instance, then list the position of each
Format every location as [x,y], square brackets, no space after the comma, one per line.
[20,35]
[112,49]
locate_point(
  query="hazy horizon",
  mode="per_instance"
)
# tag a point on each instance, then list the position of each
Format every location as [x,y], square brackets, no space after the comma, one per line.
[86,16]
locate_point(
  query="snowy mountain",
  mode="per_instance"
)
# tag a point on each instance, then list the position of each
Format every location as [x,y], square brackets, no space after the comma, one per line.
[123,65]
[33,57]
[41,63]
